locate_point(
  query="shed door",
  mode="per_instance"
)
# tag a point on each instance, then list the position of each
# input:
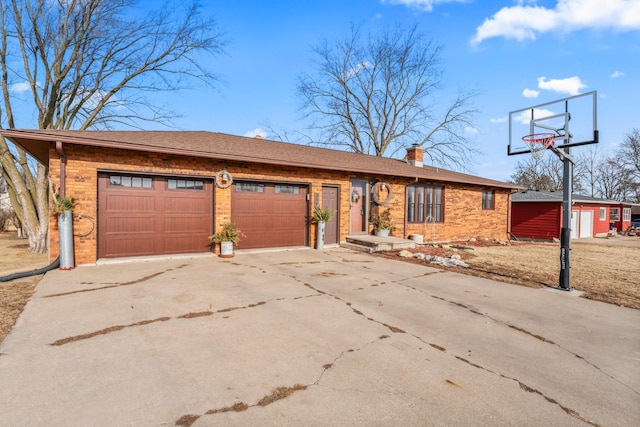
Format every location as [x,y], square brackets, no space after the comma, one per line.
[270,214]
[574,224]
[145,215]
[586,224]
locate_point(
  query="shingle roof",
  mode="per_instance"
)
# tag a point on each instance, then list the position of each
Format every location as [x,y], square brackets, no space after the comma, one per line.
[556,196]
[231,147]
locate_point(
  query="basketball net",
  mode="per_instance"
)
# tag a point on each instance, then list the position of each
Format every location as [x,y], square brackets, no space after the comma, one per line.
[538,143]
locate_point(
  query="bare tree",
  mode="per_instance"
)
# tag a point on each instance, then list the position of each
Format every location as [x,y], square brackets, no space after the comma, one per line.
[614,182]
[629,154]
[544,174]
[374,95]
[83,64]
[587,174]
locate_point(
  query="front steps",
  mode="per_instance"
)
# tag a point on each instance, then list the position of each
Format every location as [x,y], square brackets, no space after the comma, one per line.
[370,244]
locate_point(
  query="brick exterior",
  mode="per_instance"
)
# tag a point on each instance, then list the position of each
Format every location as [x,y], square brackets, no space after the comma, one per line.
[463,214]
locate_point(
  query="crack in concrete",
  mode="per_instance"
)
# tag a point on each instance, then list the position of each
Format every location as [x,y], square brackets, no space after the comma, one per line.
[190,315]
[277,394]
[528,389]
[117,285]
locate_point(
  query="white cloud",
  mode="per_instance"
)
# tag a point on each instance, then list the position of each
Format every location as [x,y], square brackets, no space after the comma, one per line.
[525,116]
[256,132]
[425,5]
[502,119]
[617,74]
[19,87]
[356,69]
[471,130]
[530,93]
[570,85]
[524,22]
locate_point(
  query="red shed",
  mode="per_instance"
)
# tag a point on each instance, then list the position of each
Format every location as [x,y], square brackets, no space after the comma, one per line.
[538,215]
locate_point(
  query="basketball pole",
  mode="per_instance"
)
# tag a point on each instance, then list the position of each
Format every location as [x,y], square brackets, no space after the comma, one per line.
[565,234]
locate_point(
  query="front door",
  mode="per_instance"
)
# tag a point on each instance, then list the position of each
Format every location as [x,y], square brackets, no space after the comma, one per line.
[357,199]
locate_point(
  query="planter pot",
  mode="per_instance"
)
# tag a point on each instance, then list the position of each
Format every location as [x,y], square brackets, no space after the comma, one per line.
[382,233]
[418,238]
[320,235]
[226,249]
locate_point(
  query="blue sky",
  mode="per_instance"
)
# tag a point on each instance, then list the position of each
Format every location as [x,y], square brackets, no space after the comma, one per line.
[514,53]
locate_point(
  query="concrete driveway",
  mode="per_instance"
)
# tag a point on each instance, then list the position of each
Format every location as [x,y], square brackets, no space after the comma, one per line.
[313,338]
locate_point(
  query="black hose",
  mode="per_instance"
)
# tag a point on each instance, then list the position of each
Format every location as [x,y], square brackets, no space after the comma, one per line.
[14,276]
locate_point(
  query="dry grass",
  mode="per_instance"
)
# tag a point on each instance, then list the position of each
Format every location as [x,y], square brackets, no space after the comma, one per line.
[15,257]
[604,271]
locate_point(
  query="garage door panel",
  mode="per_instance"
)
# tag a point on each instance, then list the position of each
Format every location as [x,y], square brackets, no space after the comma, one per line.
[162,215]
[190,224]
[186,204]
[130,202]
[138,224]
[126,246]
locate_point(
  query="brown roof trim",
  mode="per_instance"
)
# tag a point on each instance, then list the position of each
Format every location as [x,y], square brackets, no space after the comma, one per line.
[238,148]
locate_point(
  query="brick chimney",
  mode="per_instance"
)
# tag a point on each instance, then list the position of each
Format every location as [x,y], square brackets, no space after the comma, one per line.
[415,155]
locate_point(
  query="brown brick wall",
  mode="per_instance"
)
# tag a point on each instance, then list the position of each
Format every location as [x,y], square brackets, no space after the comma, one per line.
[463,214]
[464,217]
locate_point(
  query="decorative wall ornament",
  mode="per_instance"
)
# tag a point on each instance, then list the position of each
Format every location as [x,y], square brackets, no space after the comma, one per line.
[223,179]
[377,187]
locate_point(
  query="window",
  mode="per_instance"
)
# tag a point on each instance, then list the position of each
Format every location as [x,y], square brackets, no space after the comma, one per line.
[287,189]
[247,187]
[614,214]
[131,182]
[424,203]
[603,214]
[185,184]
[626,214]
[488,197]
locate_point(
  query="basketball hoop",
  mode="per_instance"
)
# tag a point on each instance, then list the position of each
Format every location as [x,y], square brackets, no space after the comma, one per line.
[538,143]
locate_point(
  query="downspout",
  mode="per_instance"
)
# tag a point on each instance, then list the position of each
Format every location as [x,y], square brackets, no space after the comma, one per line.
[65,219]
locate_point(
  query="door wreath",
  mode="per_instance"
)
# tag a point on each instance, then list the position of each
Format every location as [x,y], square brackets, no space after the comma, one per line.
[355,197]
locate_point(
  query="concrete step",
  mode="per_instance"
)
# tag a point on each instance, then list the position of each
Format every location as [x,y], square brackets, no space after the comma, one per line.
[370,244]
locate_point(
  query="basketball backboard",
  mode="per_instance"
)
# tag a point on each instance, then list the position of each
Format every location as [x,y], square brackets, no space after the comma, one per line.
[572,119]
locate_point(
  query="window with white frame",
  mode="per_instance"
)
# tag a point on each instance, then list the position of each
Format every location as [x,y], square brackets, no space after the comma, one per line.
[626,214]
[603,214]
[614,214]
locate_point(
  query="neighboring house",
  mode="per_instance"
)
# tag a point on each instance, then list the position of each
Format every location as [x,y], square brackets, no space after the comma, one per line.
[166,192]
[538,215]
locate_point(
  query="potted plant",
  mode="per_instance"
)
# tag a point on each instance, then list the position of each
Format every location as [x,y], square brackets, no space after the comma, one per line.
[321,217]
[63,207]
[383,223]
[227,237]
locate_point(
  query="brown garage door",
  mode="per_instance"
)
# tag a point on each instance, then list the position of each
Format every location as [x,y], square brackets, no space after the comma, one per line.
[144,215]
[270,215]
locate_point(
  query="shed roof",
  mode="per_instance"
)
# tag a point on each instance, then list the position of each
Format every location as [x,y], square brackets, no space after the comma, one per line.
[238,148]
[556,196]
